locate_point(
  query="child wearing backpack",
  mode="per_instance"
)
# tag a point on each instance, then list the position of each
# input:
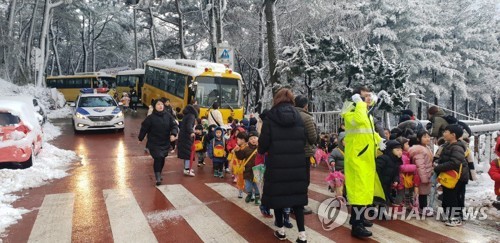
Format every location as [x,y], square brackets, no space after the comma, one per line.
[494,173]
[246,152]
[409,179]
[199,144]
[217,152]
[126,102]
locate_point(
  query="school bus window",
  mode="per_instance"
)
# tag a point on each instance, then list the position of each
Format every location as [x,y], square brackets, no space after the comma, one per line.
[86,83]
[181,84]
[171,83]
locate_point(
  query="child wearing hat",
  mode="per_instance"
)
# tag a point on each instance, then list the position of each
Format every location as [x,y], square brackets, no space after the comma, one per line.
[388,168]
[246,151]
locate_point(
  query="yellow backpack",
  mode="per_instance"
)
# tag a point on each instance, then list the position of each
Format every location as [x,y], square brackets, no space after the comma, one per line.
[408,180]
[449,179]
[239,168]
[198,144]
[219,150]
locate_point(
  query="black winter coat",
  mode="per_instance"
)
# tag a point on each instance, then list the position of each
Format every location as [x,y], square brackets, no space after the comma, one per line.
[450,159]
[286,178]
[158,127]
[388,168]
[185,141]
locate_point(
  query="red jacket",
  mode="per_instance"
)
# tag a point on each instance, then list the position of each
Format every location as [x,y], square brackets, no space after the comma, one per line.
[494,173]
[232,142]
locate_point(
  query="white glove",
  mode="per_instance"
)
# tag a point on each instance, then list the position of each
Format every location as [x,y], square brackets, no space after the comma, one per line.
[356,98]
[381,145]
[474,175]
[374,98]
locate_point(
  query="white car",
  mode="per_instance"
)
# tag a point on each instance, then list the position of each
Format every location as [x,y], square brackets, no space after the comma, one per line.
[97,112]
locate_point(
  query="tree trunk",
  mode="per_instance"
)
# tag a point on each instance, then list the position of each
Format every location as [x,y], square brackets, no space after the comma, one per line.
[213,31]
[181,30]
[11,13]
[43,39]
[272,39]
[84,46]
[29,41]
[152,33]
[260,65]
[56,52]
[219,16]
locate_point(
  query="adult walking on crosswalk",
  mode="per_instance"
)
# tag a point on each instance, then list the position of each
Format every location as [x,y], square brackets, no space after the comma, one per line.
[161,129]
[286,178]
[186,138]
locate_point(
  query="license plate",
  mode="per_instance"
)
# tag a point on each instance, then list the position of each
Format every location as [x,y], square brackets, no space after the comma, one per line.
[100,123]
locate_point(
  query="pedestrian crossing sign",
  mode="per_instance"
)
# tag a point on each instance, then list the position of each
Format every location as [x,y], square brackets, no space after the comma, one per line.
[225,55]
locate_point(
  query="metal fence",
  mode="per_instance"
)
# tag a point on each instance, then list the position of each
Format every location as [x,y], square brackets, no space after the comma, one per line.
[328,121]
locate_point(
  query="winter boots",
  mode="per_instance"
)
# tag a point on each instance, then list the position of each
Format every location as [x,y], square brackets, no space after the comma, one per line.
[360,231]
[158,178]
[248,197]
[257,200]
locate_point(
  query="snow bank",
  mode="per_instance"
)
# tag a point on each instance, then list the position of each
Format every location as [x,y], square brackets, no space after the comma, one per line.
[51,163]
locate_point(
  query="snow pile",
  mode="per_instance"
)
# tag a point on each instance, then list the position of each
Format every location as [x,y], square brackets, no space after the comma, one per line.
[51,163]
[49,98]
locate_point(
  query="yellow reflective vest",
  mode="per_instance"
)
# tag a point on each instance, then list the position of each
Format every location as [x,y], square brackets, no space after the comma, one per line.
[361,145]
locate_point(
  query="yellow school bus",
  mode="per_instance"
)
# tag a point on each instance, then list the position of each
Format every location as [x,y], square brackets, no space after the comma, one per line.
[130,78]
[70,85]
[184,81]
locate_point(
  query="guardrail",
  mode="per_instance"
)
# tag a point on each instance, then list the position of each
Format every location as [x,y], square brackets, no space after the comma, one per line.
[328,121]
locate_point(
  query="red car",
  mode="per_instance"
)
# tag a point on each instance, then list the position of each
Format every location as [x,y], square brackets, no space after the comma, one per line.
[20,134]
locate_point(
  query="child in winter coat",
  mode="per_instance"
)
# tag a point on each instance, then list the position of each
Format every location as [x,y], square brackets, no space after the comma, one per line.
[126,102]
[217,153]
[388,171]
[388,167]
[322,150]
[409,180]
[421,156]
[199,144]
[246,153]
[336,159]
[494,173]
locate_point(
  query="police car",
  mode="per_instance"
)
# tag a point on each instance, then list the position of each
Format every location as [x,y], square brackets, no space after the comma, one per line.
[97,110]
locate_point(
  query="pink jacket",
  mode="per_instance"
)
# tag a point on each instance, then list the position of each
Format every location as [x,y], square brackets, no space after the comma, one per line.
[407,167]
[422,157]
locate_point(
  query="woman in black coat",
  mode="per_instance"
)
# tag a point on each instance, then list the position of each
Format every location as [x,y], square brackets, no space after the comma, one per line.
[286,180]
[186,137]
[161,129]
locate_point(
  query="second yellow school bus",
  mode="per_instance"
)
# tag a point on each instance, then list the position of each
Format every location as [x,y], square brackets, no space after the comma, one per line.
[70,85]
[184,81]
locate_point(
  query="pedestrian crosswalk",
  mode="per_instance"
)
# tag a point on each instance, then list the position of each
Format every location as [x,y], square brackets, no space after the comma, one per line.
[54,220]
[127,221]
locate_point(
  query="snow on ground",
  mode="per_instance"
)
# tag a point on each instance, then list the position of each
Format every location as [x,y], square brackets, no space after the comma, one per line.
[481,193]
[60,113]
[51,163]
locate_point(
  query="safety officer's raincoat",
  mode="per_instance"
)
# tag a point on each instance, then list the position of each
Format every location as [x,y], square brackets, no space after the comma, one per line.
[361,144]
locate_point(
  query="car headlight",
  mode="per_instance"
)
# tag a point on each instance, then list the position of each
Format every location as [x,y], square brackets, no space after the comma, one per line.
[80,116]
[120,114]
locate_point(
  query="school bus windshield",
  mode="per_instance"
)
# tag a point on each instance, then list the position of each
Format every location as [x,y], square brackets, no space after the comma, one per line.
[225,91]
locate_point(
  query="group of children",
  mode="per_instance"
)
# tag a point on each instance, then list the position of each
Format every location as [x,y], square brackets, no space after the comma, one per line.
[235,153]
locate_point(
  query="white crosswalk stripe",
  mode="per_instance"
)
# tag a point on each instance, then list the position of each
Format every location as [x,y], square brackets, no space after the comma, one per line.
[128,223]
[54,219]
[208,225]
[229,192]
